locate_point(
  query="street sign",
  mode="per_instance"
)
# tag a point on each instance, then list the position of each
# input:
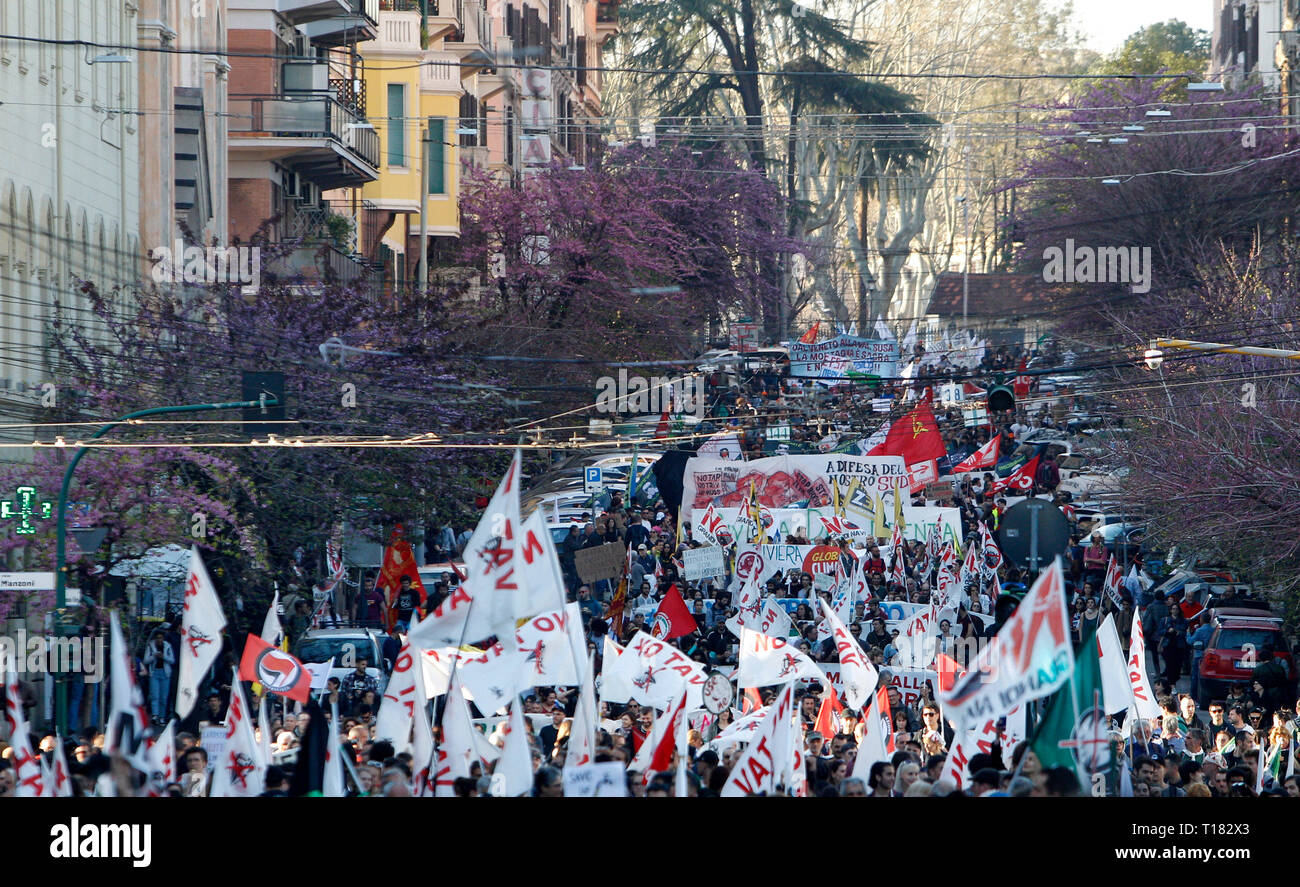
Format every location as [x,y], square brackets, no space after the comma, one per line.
[26,581]
[593,480]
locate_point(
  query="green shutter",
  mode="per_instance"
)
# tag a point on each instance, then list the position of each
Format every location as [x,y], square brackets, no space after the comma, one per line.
[397,124]
[437,155]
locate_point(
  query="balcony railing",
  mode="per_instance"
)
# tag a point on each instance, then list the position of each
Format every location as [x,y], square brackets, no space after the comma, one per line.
[304,117]
[403,5]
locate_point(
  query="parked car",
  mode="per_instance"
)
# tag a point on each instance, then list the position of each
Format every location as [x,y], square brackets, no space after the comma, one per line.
[432,574]
[1241,637]
[345,646]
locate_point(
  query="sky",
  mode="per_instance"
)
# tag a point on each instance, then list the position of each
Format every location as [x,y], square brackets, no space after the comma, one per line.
[1109,22]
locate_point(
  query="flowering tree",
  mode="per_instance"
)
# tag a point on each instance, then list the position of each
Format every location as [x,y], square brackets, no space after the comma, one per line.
[375,418]
[632,258]
[1185,185]
[1210,443]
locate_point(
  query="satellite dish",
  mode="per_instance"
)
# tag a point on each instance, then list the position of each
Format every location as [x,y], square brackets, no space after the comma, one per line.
[1032,532]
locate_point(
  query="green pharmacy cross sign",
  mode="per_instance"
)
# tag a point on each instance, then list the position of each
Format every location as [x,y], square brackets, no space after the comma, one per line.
[24,507]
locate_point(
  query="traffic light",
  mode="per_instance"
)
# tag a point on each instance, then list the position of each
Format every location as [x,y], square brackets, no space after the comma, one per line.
[1001,398]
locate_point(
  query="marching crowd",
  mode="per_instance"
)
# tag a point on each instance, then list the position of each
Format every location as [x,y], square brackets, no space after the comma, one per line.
[1182,752]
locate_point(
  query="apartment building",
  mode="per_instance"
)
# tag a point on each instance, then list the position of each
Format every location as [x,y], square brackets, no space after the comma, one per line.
[113,142]
[300,140]
[506,86]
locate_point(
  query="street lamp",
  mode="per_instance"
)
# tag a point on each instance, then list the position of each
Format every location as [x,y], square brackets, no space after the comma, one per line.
[61,517]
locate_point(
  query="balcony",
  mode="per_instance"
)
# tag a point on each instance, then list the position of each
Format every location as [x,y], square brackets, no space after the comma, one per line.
[319,137]
[321,262]
[473,42]
[606,21]
[399,29]
[300,12]
[348,29]
[443,18]
[440,73]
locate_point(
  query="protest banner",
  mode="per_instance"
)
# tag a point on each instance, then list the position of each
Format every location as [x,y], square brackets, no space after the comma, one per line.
[838,357]
[910,681]
[603,780]
[600,562]
[858,524]
[792,481]
[702,563]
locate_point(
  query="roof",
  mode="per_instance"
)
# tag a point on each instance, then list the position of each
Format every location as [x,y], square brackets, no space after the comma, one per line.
[994,296]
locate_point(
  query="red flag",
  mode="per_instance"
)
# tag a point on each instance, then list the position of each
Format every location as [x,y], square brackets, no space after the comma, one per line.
[985,457]
[277,671]
[672,619]
[810,337]
[662,756]
[1019,481]
[399,561]
[948,670]
[661,430]
[828,716]
[752,701]
[915,437]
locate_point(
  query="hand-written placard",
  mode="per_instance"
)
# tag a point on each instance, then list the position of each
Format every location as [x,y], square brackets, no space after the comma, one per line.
[603,780]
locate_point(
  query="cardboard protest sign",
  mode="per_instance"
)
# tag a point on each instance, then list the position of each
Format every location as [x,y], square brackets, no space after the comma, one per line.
[702,563]
[600,562]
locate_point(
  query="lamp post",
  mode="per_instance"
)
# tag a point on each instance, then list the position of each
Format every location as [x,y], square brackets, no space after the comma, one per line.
[60,567]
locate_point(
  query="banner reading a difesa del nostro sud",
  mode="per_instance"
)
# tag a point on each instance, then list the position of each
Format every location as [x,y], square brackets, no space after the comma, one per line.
[790,481]
[736,526]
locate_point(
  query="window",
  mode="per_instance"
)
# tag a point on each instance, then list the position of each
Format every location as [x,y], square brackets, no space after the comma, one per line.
[437,155]
[397,124]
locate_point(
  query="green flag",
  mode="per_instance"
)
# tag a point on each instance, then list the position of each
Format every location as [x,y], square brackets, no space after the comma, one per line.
[1075,732]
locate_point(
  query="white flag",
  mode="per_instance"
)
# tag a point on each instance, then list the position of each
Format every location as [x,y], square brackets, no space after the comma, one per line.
[513,775]
[876,731]
[272,631]
[767,660]
[757,613]
[263,730]
[457,749]
[613,685]
[651,672]
[857,673]
[239,771]
[201,626]
[397,708]
[543,580]
[546,643]
[333,785]
[582,736]
[127,720]
[161,753]
[56,779]
[1144,700]
[758,770]
[1029,658]
[1115,687]
[416,707]
[494,677]
[883,332]
[27,766]
[493,596]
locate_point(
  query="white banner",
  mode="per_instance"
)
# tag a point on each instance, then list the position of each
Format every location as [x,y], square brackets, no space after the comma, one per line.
[702,563]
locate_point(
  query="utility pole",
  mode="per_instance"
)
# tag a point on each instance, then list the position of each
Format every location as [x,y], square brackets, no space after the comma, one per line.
[424,202]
